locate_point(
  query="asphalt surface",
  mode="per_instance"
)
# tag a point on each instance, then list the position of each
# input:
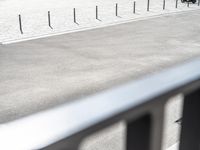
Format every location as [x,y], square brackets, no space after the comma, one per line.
[66,67]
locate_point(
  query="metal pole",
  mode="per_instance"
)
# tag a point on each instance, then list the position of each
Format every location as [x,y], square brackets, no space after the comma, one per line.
[163,4]
[198,2]
[188,4]
[49,19]
[176,4]
[97,12]
[148,2]
[116,9]
[74,11]
[20,24]
[134,5]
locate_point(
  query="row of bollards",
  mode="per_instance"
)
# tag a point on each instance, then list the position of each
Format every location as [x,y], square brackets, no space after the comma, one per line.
[97,13]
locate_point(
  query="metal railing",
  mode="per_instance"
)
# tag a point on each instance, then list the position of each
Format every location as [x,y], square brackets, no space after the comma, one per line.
[139,103]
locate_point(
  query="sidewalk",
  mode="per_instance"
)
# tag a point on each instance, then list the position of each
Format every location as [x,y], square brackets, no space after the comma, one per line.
[35,21]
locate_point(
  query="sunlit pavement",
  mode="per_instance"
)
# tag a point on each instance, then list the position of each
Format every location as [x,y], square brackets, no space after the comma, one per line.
[35,19]
[75,65]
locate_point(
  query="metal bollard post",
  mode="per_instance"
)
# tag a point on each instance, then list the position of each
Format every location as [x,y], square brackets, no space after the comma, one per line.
[74,11]
[163,4]
[20,24]
[198,2]
[97,13]
[148,3]
[134,5]
[116,9]
[49,19]
[188,4]
[176,4]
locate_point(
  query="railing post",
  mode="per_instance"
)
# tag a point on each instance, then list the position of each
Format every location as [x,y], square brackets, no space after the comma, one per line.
[157,126]
[190,132]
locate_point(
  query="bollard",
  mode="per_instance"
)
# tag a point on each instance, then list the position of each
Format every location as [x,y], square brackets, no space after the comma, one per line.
[49,19]
[176,4]
[188,4]
[74,11]
[134,5]
[97,13]
[20,24]
[198,2]
[116,9]
[148,3]
[163,4]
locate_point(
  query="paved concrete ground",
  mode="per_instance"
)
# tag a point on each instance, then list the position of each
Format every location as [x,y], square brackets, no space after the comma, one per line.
[34,18]
[71,66]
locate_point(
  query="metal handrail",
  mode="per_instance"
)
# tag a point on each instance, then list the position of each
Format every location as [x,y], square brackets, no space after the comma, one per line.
[140,103]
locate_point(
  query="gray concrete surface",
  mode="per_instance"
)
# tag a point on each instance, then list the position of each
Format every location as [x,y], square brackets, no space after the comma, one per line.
[34,18]
[71,66]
